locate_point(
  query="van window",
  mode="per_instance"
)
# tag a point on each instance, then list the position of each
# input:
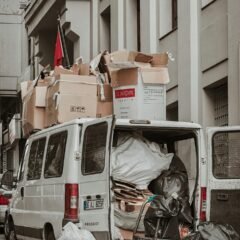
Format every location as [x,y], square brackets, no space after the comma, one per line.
[22,164]
[94,149]
[225,155]
[55,155]
[36,159]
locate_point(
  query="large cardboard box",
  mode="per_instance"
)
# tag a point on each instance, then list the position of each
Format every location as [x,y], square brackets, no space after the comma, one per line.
[33,115]
[34,106]
[75,96]
[139,92]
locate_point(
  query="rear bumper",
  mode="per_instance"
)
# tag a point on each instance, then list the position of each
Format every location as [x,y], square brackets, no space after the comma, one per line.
[65,221]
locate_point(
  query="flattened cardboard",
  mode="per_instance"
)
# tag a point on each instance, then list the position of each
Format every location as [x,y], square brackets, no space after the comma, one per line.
[60,70]
[124,77]
[84,69]
[144,58]
[158,75]
[159,59]
[41,93]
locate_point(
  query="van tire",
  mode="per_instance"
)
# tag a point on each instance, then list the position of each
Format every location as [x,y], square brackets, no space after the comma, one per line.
[48,233]
[9,230]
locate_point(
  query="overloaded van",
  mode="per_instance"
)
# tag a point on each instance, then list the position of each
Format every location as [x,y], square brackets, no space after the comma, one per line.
[65,175]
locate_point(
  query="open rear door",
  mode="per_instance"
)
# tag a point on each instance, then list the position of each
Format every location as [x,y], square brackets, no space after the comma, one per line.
[223,193]
[95,145]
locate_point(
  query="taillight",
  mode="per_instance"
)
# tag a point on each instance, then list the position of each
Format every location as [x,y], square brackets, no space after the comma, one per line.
[3,200]
[203,206]
[71,202]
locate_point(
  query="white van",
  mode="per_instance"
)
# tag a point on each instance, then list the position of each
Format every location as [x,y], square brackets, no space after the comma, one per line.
[65,175]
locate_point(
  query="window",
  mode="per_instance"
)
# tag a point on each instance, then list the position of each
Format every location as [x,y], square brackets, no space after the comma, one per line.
[105,29]
[225,156]
[221,105]
[94,149]
[55,155]
[174,14]
[22,164]
[35,159]
[168,20]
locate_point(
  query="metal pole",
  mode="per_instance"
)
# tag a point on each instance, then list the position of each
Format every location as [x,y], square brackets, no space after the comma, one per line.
[63,43]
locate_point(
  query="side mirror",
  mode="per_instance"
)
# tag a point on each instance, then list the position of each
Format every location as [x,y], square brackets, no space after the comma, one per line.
[7,180]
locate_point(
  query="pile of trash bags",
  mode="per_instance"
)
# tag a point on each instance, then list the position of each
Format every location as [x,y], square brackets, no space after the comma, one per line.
[213,231]
[170,206]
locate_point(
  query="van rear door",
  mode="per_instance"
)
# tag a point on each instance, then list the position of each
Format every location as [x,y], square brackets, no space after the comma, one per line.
[223,193]
[95,145]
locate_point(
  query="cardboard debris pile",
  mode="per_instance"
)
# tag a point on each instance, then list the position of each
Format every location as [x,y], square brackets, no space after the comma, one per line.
[128,84]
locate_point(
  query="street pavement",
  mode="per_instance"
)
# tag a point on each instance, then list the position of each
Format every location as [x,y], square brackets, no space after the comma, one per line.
[2,237]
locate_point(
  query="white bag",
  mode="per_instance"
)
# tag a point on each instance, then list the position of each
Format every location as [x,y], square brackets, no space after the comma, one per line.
[138,160]
[72,232]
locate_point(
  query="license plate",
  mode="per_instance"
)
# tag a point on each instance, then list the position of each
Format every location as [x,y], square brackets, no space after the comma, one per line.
[93,204]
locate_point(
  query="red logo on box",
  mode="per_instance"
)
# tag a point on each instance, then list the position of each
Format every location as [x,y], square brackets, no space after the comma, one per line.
[125,93]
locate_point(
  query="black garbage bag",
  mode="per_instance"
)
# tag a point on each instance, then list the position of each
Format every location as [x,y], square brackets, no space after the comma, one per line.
[174,182]
[194,236]
[164,210]
[211,231]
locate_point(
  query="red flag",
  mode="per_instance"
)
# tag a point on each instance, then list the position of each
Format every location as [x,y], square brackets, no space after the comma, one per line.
[58,55]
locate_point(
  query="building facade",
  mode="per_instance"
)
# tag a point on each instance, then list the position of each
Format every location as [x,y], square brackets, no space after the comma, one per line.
[202,36]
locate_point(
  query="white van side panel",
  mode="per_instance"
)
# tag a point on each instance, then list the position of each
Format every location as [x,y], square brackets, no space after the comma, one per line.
[223,191]
[44,198]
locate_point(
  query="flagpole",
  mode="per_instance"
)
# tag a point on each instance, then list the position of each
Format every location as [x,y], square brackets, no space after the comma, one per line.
[63,43]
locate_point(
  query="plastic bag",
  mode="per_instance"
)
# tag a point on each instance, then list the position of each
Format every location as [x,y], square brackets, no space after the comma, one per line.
[173,182]
[138,160]
[117,234]
[127,220]
[160,208]
[193,236]
[72,232]
[211,231]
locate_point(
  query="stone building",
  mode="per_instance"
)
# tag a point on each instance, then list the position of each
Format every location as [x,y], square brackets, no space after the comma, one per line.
[202,36]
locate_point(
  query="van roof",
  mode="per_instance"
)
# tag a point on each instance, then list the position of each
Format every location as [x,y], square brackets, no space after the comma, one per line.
[128,122]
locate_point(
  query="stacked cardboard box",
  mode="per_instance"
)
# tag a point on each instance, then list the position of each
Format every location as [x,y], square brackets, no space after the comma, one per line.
[34,105]
[64,96]
[74,96]
[139,84]
[131,83]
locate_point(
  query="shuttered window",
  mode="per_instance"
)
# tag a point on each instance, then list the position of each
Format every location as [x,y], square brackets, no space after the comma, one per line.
[221,105]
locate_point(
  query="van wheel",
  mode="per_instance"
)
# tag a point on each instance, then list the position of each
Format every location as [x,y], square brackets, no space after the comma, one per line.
[48,233]
[9,230]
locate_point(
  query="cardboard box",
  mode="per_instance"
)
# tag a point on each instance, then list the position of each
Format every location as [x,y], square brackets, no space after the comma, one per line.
[34,103]
[33,116]
[84,69]
[139,93]
[159,59]
[75,96]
